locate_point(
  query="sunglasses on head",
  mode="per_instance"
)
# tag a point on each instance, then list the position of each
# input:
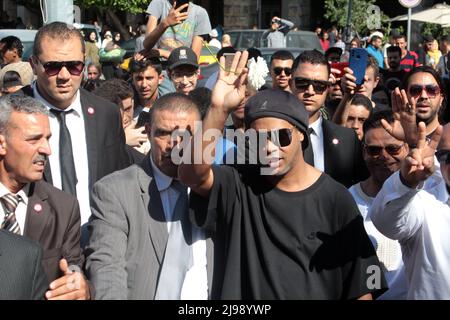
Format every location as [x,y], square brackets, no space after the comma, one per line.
[393,150]
[432,90]
[319,86]
[279,70]
[279,137]
[443,156]
[52,68]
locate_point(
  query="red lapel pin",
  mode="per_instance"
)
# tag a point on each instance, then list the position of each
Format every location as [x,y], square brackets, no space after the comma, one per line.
[91,111]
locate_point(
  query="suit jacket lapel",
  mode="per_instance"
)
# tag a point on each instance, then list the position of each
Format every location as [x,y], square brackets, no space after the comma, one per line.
[328,150]
[90,126]
[152,202]
[38,212]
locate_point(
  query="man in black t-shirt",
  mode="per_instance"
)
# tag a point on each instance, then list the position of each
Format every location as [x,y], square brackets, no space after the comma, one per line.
[393,77]
[292,233]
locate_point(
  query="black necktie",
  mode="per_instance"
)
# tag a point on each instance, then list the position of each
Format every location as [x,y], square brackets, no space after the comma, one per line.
[66,162]
[308,153]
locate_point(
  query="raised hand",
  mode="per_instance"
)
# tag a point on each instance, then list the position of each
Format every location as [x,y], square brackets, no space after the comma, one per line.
[229,90]
[175,16]
[419,164]
[405,126]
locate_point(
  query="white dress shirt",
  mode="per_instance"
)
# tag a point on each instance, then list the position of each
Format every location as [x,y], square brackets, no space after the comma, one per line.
[388,251]
[195,285]
[420,220]
[21,210]
[75,125]
[316,138]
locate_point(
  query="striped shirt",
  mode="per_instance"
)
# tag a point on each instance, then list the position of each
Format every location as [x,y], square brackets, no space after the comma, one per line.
[409,61]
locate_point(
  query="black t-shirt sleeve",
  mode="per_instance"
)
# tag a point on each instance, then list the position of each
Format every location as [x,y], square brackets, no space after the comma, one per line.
[205,211]
[359,259]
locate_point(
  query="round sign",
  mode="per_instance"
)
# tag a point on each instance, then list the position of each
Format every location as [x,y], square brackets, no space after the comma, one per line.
[410,3]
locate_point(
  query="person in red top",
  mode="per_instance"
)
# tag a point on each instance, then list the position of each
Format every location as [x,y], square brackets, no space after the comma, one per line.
[325,40]
[409,59]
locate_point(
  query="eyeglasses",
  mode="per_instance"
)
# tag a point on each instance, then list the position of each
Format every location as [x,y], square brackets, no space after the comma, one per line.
[178,76]
[443,156]
[319,86]
[279,137]
[279,70]
[432,90]
[393,150]
[52,68]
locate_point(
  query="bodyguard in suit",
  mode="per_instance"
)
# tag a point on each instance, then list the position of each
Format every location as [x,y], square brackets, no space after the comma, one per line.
[142,244]
[87,140]
[334,150]
[21,274]
[32,207]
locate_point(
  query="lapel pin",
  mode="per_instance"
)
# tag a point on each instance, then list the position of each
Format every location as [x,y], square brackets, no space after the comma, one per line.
[38,208]
[335,141]
[91,111]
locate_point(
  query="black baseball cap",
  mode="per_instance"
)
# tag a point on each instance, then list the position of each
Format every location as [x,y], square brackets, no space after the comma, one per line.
[182,56]
[276,103]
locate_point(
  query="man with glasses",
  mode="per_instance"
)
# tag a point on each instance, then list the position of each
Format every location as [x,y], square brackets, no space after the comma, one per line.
[183,69]
[87,140]
[382,154]
[281,69]
[276,37]
[334,150]
[413,208]
[283,230]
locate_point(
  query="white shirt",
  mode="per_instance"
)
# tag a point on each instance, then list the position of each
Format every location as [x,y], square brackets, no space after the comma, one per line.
[195,285]
[316,138]
[420,221]
[215,43]
[388,251]
[21,210]
[75,124]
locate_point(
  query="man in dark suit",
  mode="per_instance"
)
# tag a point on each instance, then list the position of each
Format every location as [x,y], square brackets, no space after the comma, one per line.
[142,244]
[334,150]
[32,207]
[87,140]
[21,276]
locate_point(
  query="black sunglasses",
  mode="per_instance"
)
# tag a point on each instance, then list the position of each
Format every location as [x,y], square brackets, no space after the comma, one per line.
[319,86]
[432,90]
[279,137]
[279,70]
[52,68]
[443,156]
[393,150]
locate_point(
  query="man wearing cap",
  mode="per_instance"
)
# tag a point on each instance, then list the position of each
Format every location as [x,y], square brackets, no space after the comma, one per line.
[214,42]
[183,69]
[276,35]
[293,233]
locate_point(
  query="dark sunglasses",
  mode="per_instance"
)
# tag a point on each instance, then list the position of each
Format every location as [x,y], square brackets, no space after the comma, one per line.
[443,156]
[52,68]
[393,150]
[302,84]
[279,70]
[432,90]
[279,137]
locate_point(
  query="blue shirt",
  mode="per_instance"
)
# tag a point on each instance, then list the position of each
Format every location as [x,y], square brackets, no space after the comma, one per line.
[377,54]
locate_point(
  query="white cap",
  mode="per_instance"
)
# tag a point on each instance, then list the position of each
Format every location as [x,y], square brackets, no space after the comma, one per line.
[213,33]
[376,33]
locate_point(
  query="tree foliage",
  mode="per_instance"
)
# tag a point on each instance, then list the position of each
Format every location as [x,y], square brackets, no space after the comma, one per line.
[132,6]
[362,19]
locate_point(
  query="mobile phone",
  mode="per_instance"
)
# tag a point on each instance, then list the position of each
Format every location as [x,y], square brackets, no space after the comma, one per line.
[358,64]
[180,3]
[339,66]
[228,60]
[144,117]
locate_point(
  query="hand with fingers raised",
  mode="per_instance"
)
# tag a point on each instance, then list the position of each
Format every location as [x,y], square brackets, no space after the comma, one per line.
[405,126]
[419,164]
[229,90]
[175,16]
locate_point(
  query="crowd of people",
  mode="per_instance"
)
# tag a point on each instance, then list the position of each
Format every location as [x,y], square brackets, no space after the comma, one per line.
[146,185]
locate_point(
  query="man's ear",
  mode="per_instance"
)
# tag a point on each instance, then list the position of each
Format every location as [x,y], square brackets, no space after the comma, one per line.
[161,78]
[2,145]
[33,65]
